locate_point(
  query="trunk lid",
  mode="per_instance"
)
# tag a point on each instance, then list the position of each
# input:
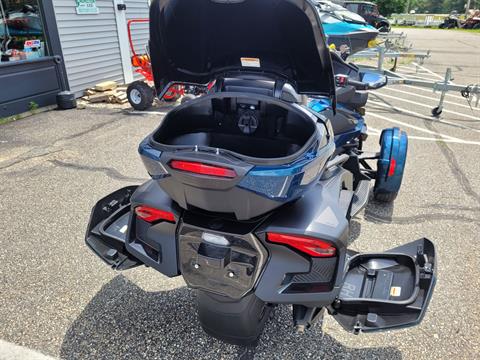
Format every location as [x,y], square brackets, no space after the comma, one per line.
[196,41]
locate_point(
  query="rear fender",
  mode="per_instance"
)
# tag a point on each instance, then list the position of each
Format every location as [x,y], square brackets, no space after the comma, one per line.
[291,277]
[154,244]
[391,163]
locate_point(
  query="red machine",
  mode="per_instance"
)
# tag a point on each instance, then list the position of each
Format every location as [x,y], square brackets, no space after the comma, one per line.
[141,93]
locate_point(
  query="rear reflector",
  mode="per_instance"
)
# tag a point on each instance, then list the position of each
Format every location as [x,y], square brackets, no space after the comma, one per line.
[391,168]
[202,169]
[310,246]
[151,215]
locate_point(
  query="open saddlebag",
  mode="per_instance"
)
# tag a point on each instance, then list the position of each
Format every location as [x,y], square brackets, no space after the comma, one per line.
[387,290]
[107,229]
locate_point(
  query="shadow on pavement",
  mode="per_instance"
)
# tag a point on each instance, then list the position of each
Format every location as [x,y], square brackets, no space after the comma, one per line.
[125,322]
[379,212]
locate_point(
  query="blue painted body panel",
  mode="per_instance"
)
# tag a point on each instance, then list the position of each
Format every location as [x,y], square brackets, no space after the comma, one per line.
[394,145]
[321,104]
[344,28]
[282,183]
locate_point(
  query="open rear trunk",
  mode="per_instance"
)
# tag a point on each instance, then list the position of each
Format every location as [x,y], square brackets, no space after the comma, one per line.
[247,127]
[237,153]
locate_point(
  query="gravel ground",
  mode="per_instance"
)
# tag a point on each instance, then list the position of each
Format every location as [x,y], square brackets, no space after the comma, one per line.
[59,299]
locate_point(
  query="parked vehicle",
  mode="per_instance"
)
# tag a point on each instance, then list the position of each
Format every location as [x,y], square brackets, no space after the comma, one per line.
[344,28]
[253,187]
[453,21]
[369,11]
[473,20]
[141,93]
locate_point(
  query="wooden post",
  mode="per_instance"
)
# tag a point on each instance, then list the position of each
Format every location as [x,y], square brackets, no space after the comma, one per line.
[467,7]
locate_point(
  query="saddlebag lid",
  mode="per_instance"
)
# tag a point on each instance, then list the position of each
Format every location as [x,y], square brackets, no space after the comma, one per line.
[196,41]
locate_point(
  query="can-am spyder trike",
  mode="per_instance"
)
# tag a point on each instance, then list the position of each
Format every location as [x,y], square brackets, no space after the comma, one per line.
[250,198]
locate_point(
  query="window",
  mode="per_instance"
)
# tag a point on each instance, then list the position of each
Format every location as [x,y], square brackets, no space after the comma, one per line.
[352,7]
[22,35]
[368,9]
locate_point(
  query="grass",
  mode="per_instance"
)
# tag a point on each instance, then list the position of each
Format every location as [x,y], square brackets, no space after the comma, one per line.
[8,119]
[34,109]
[435,28]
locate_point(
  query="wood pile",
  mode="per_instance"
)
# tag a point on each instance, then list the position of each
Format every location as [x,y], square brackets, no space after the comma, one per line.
[108,92]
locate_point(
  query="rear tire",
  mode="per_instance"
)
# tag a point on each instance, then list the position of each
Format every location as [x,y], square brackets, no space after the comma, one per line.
[140,95]
[383,28]
[385,197]
[237,322]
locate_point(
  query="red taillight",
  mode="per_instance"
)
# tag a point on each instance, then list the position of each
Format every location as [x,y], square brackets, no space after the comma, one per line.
[150,214]
[202,169]
[391,169]
[310,246]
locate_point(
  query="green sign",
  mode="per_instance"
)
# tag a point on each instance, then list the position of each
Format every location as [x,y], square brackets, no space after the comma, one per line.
[85,7]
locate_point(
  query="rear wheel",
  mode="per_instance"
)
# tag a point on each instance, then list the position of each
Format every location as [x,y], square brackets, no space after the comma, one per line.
[140,95]
[385,197]
[383,27]
[238,322]
[476,26]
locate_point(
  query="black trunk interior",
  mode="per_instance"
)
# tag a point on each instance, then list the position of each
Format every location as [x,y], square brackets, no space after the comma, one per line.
[246,126]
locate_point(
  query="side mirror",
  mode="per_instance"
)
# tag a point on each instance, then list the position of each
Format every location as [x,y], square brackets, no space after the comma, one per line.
[373,80]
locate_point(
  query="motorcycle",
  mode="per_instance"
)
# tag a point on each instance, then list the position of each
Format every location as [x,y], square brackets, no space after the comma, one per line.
[253,185]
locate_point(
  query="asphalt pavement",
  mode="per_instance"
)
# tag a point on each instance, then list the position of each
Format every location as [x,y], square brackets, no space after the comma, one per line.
[58,299]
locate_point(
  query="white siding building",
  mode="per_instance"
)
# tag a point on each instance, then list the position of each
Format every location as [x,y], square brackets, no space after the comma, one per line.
[95,46]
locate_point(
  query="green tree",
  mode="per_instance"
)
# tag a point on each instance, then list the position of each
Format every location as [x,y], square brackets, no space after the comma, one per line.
[388,7]
[442,6]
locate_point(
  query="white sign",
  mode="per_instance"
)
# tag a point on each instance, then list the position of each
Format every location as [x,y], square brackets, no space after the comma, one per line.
[86,7]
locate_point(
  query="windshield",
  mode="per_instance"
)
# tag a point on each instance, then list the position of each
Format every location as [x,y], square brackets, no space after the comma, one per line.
[349,16]
[339,12]
[329,6]
[327,18]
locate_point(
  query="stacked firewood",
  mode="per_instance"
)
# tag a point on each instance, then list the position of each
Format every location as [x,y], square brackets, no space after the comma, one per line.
[107,92]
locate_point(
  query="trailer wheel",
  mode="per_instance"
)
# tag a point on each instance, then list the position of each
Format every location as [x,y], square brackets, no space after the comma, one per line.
[140,95]
[436,111]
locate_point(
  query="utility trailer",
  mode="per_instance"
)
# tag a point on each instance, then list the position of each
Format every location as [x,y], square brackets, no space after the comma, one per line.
[394,47]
